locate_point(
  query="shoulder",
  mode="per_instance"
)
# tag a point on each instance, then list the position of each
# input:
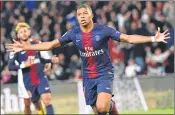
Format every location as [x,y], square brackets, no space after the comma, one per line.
[99,26]
[103,27]
[35,41]
[76,30]
[13,55]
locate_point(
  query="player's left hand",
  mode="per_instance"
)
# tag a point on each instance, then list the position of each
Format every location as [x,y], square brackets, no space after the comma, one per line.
[55,59]
[161,37]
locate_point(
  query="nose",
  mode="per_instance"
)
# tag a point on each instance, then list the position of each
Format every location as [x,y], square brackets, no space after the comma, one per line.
[82,17]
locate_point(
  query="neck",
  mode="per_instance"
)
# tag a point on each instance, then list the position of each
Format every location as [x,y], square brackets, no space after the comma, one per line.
[87,28]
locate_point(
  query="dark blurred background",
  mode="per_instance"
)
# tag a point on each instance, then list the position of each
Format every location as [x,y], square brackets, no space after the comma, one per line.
[49,20]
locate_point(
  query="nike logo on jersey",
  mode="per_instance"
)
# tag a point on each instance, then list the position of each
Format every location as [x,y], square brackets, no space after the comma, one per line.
[110,72]
[23,52]
[46,88]
[11,55]
[108,88]
[77,40]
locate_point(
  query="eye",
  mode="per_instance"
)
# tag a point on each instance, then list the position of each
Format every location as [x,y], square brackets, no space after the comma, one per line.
[21,32]
[79,14]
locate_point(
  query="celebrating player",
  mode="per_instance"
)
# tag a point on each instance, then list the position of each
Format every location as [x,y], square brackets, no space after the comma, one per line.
[32,65]
[92,42]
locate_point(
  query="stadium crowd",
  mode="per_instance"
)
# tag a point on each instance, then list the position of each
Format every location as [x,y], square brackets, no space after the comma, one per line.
[49,20]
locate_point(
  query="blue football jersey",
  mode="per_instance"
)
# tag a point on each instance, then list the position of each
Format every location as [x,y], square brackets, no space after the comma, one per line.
[93,48]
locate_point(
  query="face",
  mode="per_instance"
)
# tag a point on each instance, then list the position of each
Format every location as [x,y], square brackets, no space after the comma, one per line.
[24,33]
[84,16]
[158,51]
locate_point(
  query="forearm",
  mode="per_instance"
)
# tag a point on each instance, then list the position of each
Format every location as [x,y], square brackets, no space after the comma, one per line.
[39,47]
[135,39]
[13,66]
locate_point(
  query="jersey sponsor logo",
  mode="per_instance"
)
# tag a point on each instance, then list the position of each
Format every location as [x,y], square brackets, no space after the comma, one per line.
[93,53]
[89,52]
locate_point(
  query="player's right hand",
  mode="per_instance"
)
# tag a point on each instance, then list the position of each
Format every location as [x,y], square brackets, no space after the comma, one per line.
[15,47]
[29,62]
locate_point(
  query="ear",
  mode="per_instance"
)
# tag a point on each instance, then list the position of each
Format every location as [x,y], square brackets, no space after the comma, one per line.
[17,35]
[30,32]
[92,15]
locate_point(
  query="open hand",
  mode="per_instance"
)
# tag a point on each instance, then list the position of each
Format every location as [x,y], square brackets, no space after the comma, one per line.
[161,37]
[15,47]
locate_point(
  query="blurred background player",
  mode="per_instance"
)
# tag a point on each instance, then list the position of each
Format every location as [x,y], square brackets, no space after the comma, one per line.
[22,92]
[92,42]
[32,67]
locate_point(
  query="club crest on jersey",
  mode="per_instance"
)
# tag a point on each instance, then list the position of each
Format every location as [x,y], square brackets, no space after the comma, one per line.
[97,37]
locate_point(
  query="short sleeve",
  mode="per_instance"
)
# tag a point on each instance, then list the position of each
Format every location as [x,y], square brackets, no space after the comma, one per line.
[66,38]
[112,33]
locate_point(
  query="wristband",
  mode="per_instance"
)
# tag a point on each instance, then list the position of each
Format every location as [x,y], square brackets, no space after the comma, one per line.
[22,65]
[153,39]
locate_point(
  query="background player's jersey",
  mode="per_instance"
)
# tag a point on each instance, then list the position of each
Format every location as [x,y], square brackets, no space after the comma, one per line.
[93,49]
[22,92]
[33,74]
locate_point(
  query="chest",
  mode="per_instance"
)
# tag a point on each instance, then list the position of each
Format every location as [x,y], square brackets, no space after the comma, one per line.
[92,40]
[23,56]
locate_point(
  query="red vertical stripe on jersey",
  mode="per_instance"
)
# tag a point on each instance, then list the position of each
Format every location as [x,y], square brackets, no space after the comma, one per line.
[33,69]
[87,42]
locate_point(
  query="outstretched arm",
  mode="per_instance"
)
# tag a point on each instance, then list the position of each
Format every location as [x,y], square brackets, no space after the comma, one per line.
[17,47]
[13,64]
[159,37]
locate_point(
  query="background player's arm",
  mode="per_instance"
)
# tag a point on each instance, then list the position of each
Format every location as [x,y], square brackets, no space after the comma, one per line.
[134,39]
[46,57]
[13,64]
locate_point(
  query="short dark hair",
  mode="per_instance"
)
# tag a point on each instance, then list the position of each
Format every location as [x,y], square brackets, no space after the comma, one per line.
[84,6]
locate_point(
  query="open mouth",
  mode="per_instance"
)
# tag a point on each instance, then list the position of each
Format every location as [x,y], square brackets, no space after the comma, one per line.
[83,21]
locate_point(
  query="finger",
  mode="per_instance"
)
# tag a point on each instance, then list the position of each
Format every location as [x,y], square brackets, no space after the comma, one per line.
[9,47]
[158,29]
[164,41]
[167,34]
[167,37]
[15,41]
[10,50]
[9,44]
[165,31]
